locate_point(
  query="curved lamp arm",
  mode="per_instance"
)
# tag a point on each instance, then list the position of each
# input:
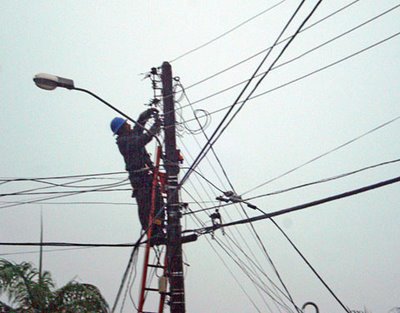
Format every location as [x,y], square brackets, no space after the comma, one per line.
[51,82]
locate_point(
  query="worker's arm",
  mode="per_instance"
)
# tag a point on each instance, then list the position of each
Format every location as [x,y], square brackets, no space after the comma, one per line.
[142,120]
[146,137]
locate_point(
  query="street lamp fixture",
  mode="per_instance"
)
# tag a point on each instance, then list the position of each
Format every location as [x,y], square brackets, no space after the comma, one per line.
[50,82]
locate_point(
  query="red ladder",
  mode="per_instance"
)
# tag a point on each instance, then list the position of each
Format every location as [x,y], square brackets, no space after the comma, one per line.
[145,287]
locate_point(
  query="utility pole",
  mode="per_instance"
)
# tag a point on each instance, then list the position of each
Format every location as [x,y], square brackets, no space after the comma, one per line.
[174,231]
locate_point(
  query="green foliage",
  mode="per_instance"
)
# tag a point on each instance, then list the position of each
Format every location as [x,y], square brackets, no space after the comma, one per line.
[31,293]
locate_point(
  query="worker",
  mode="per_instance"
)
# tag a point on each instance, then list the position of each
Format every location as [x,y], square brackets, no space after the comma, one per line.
[131,143]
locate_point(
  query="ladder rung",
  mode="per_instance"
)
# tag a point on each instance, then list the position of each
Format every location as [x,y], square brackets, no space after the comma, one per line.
[151,289]
[156,266]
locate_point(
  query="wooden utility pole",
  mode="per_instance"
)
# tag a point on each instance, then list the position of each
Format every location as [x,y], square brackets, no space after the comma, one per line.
[174,231]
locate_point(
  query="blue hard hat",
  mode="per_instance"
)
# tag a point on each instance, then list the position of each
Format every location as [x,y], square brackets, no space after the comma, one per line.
[116,124]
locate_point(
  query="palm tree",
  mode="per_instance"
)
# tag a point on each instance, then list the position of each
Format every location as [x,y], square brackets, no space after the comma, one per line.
[32,292]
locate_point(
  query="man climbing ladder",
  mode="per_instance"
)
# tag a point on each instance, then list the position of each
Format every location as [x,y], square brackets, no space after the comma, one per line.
[131,143]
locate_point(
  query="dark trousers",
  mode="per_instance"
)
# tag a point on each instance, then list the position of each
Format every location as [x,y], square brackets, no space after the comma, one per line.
[142,191]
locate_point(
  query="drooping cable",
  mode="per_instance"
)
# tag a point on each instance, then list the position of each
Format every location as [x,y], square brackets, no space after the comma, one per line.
[249,95]
[253,230]
[309,264]
[242,265]
[212,140]
[263,76]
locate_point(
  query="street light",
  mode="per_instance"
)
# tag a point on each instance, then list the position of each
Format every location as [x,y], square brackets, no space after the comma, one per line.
[50,82]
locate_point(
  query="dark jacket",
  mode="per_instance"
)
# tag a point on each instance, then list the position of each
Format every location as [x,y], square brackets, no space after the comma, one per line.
[132,145]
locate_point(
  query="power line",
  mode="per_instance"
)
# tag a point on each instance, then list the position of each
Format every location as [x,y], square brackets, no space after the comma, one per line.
[13,179]
[306,75]
[63,192]
[302,206]
[75,203]
[251,251]
[252,229]
[227,32]
[309,264]
[53,197]
[299,56]
[206,148]
[72,244]
[265,74]
[47,251]
[323,180]
[325,153]
[198,159]
[242,265]
[264,50]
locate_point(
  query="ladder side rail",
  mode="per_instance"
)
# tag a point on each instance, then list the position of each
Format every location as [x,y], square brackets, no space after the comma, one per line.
[149,232]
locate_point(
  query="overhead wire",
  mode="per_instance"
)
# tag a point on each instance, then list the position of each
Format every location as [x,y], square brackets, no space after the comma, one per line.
[310,73]
[309,265]
[252,229]
[131,279]
[251,78]
[215,133]
[320,181]
[53,185]
[264,50]
[242,265]
[298,57]
[324,180]
[303,185]
[243,238]
[13,179]
[325,153]
[72,244]
[227,32]
[54,197]
[250,260]
[127,270]
[209,143]
[237,244]
[307,262]
[46,251]
[201,223]
[305,205]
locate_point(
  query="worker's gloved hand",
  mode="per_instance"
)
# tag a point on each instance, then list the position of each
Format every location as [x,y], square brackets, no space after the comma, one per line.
[149,113]
[154,111]
[157,121]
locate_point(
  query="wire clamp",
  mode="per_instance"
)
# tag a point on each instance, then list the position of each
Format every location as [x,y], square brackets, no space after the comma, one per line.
[235,198]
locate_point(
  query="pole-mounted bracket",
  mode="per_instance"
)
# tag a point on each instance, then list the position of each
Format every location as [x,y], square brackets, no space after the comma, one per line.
[235,198]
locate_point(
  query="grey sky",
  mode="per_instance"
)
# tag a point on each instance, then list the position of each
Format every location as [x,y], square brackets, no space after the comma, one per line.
[104,46]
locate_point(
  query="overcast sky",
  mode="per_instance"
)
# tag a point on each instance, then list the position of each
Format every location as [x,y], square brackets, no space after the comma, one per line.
[349,109]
